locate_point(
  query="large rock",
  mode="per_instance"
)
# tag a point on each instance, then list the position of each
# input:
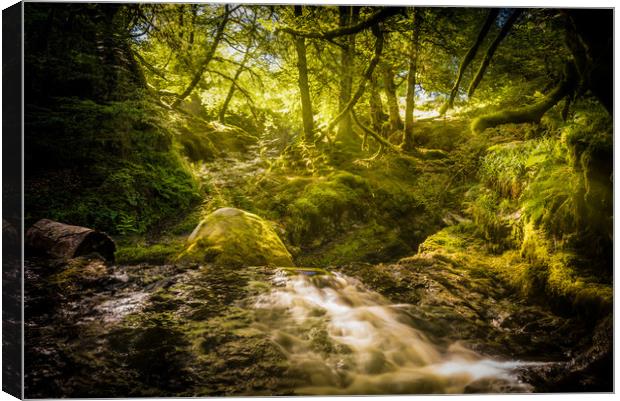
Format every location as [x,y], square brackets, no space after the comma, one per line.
[233,237]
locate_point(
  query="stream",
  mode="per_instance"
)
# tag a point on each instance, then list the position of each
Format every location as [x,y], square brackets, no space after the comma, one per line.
[168,330]
[367,344]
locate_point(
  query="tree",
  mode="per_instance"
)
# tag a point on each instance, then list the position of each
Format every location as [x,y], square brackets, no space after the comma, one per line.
[376,30]
[491,50]
[392,100]
[411,81]
[207,58]
[304,90]
[241,68]
[469,56]
[348,15]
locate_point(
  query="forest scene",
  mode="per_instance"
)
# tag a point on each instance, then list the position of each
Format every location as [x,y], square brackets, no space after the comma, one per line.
[259,200]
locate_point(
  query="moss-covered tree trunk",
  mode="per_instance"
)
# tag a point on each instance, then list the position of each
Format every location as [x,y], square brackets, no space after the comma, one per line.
[377,116]
[304,88]
[389,89]
[532,113]
[348,15]
[411,81]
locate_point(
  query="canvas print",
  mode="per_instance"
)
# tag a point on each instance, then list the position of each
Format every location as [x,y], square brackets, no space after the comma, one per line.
[257,200]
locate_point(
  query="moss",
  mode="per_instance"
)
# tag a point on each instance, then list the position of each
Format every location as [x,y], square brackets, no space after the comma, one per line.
[234,237]
[586,293]
[310,271]
[325,205]
[206,142]
[538,270]
[370,243]
[79,272]
[446,135]
[140,252]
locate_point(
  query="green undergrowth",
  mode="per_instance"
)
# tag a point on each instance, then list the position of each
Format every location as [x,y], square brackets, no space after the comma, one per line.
[549,277]
[333,209]
[377,211]
[543,208]
[136,250]
[111,166]
[203,141]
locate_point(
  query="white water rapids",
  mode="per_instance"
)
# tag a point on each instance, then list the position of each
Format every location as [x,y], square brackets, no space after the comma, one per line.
[342,338]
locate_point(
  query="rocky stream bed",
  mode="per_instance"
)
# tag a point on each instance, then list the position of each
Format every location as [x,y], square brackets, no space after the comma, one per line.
[421,325]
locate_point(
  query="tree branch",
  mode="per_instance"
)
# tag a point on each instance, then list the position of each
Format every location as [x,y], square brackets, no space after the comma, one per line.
[243,91]
[491,50]
[208,57]
[534,112]
[372,133]
[471,53]
[346,30]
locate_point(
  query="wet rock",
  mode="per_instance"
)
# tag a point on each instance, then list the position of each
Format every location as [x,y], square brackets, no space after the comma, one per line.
[233,237]
[591,370]
[81,272]
[63,241]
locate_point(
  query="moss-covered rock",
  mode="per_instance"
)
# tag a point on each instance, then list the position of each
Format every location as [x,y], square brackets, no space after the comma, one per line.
[234,237]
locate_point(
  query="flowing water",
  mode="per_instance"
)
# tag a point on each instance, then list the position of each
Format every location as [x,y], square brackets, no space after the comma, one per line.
[345,339]
[167,330]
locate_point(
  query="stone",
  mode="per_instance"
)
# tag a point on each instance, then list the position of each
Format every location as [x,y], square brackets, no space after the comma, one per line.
[233,237]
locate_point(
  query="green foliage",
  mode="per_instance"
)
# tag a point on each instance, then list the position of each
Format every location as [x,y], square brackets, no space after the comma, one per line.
[325,205]
[129,253]
[126,177]
[505,167]
[492,217]
[548,198]
[554,200]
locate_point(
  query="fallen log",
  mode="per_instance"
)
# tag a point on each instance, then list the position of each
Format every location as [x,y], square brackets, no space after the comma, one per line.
[63,241]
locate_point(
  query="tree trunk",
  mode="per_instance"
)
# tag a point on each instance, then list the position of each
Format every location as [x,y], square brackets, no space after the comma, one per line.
[592,45]
[348,15]
[63,241]
[491,50]
[365,77]
[411,82]
[210,52]
[231,90]
[370,22]
[304,89]
[377,116]
[532,113]
[471,53]
[392,101]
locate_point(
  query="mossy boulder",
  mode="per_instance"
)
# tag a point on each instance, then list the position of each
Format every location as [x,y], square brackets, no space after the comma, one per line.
[233,237]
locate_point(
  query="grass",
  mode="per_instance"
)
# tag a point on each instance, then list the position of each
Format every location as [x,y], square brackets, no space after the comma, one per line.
[129,253]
